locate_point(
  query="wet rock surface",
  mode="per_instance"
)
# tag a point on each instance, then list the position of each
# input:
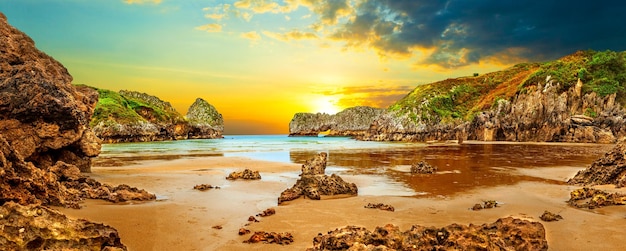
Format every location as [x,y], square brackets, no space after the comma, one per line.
[485,205]
[549,216]
[505,234]
[271,237]
[608,169]
[423,168]
[40,228]
[349,122]
[380,206]
[313,182]
[246,174]
[593,198]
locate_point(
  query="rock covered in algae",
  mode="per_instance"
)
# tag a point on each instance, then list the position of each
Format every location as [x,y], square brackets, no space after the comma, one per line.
[505,234]
[40,228]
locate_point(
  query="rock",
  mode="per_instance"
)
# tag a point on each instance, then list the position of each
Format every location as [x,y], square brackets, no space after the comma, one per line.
[609,169]
[423,168]
[252,219]
[40,228]
[42,114]
[267,212]
[218,227]
[349,122]
[272,237]
[593,198]
[505,234]
[486,204]
[204,120]
[548,216]
[247,174]
[204,187]
[243,231]
[380,206]
[313,182]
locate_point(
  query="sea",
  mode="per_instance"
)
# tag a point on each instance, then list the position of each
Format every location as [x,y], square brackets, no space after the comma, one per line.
[384,166]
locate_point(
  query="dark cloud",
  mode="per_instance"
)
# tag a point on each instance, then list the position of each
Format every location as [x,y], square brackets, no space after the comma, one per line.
[464,32]
[375,96]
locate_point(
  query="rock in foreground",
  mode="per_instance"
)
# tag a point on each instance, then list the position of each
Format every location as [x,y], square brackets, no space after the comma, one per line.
[40,228]
[246,174]
[423,168]
[505,234]
[592,198]
[313,182]
[609,169]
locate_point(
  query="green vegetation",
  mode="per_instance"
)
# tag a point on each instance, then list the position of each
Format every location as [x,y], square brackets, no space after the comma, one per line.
[127,110]
[462,98]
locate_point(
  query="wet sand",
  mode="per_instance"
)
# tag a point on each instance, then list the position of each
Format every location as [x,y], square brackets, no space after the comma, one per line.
[182,218]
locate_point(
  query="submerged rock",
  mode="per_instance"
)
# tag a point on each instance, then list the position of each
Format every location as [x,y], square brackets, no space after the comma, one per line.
[246,174]
[609,169]
[505,234]
[313,182]
[423,168]
[40,228]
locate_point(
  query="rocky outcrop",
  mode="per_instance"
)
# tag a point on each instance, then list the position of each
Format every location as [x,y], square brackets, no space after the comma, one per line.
[574,99]
[40,228]
[42,116]
[609,169]
[130,116]
[593,198]
[204,120]
[314,182]
[349,122]
[505,234]
[423,168]
[246,174]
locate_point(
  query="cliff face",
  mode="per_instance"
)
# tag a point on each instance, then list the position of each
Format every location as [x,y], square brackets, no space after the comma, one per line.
[130,116]
[579,98]
[353,121]
[42,116]
[204,120]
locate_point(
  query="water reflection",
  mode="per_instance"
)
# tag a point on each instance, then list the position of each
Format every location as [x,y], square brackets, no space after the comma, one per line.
[460,167]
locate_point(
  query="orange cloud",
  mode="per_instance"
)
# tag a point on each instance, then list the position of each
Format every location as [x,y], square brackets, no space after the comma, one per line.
[369,95]
[290,35]
[210,27]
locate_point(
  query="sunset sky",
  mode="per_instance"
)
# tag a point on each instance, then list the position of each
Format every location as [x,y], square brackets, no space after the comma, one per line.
[260,61]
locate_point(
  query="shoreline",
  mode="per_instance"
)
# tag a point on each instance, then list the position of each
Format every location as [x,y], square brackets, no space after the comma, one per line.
[183,217]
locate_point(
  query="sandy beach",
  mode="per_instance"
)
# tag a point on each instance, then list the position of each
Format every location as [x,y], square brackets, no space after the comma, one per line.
[183,218]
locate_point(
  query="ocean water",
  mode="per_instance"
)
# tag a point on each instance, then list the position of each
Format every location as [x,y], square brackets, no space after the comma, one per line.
[383,166]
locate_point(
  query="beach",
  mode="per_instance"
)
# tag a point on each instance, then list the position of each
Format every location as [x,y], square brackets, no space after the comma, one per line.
[183,218]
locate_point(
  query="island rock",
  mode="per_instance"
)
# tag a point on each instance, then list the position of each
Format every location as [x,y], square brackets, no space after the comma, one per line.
[351,122]
[204,120]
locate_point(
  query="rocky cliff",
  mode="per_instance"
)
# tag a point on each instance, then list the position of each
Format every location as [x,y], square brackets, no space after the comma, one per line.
[609,169]
[353,121]
[204,120]
[578,98]
[130,116]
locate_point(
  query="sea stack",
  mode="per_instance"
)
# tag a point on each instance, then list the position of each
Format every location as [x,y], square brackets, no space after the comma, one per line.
[204,120]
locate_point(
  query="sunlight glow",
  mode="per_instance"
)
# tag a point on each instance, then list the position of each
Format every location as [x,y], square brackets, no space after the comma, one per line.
[325,104]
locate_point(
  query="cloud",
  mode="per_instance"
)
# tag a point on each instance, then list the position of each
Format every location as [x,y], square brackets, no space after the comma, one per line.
[210,28]
[290,35]
[252,36]
[461,32]
[142,1]
[369,95]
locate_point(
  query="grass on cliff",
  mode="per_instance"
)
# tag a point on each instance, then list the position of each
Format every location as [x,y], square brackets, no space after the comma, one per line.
[127,110]
[460,99]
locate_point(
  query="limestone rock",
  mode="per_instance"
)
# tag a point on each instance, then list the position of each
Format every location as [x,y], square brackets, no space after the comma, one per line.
[549,216]
[204,120]
[593,198]
[40,228]
[349,122]
[246,174]
[609,169]
[41,113]
[505,234]
[313,182]
[271,237]
[423,168]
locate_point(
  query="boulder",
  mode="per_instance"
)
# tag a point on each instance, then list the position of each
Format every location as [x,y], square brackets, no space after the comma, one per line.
[40,228]
[246,174]
[593,198]
[423,168]
[313,182]
[505,234]
[608,169]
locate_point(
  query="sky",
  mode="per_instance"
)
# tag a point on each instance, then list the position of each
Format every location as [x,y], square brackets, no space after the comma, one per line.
[261,61]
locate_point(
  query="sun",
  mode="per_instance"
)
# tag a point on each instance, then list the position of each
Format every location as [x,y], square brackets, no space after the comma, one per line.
[325,105]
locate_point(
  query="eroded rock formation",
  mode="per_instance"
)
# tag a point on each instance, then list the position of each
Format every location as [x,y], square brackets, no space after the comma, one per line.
[593,198]
[349,122]
[505,234]
[246,174]
[423,168]
[609,169]
[204,120]
[314,182]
